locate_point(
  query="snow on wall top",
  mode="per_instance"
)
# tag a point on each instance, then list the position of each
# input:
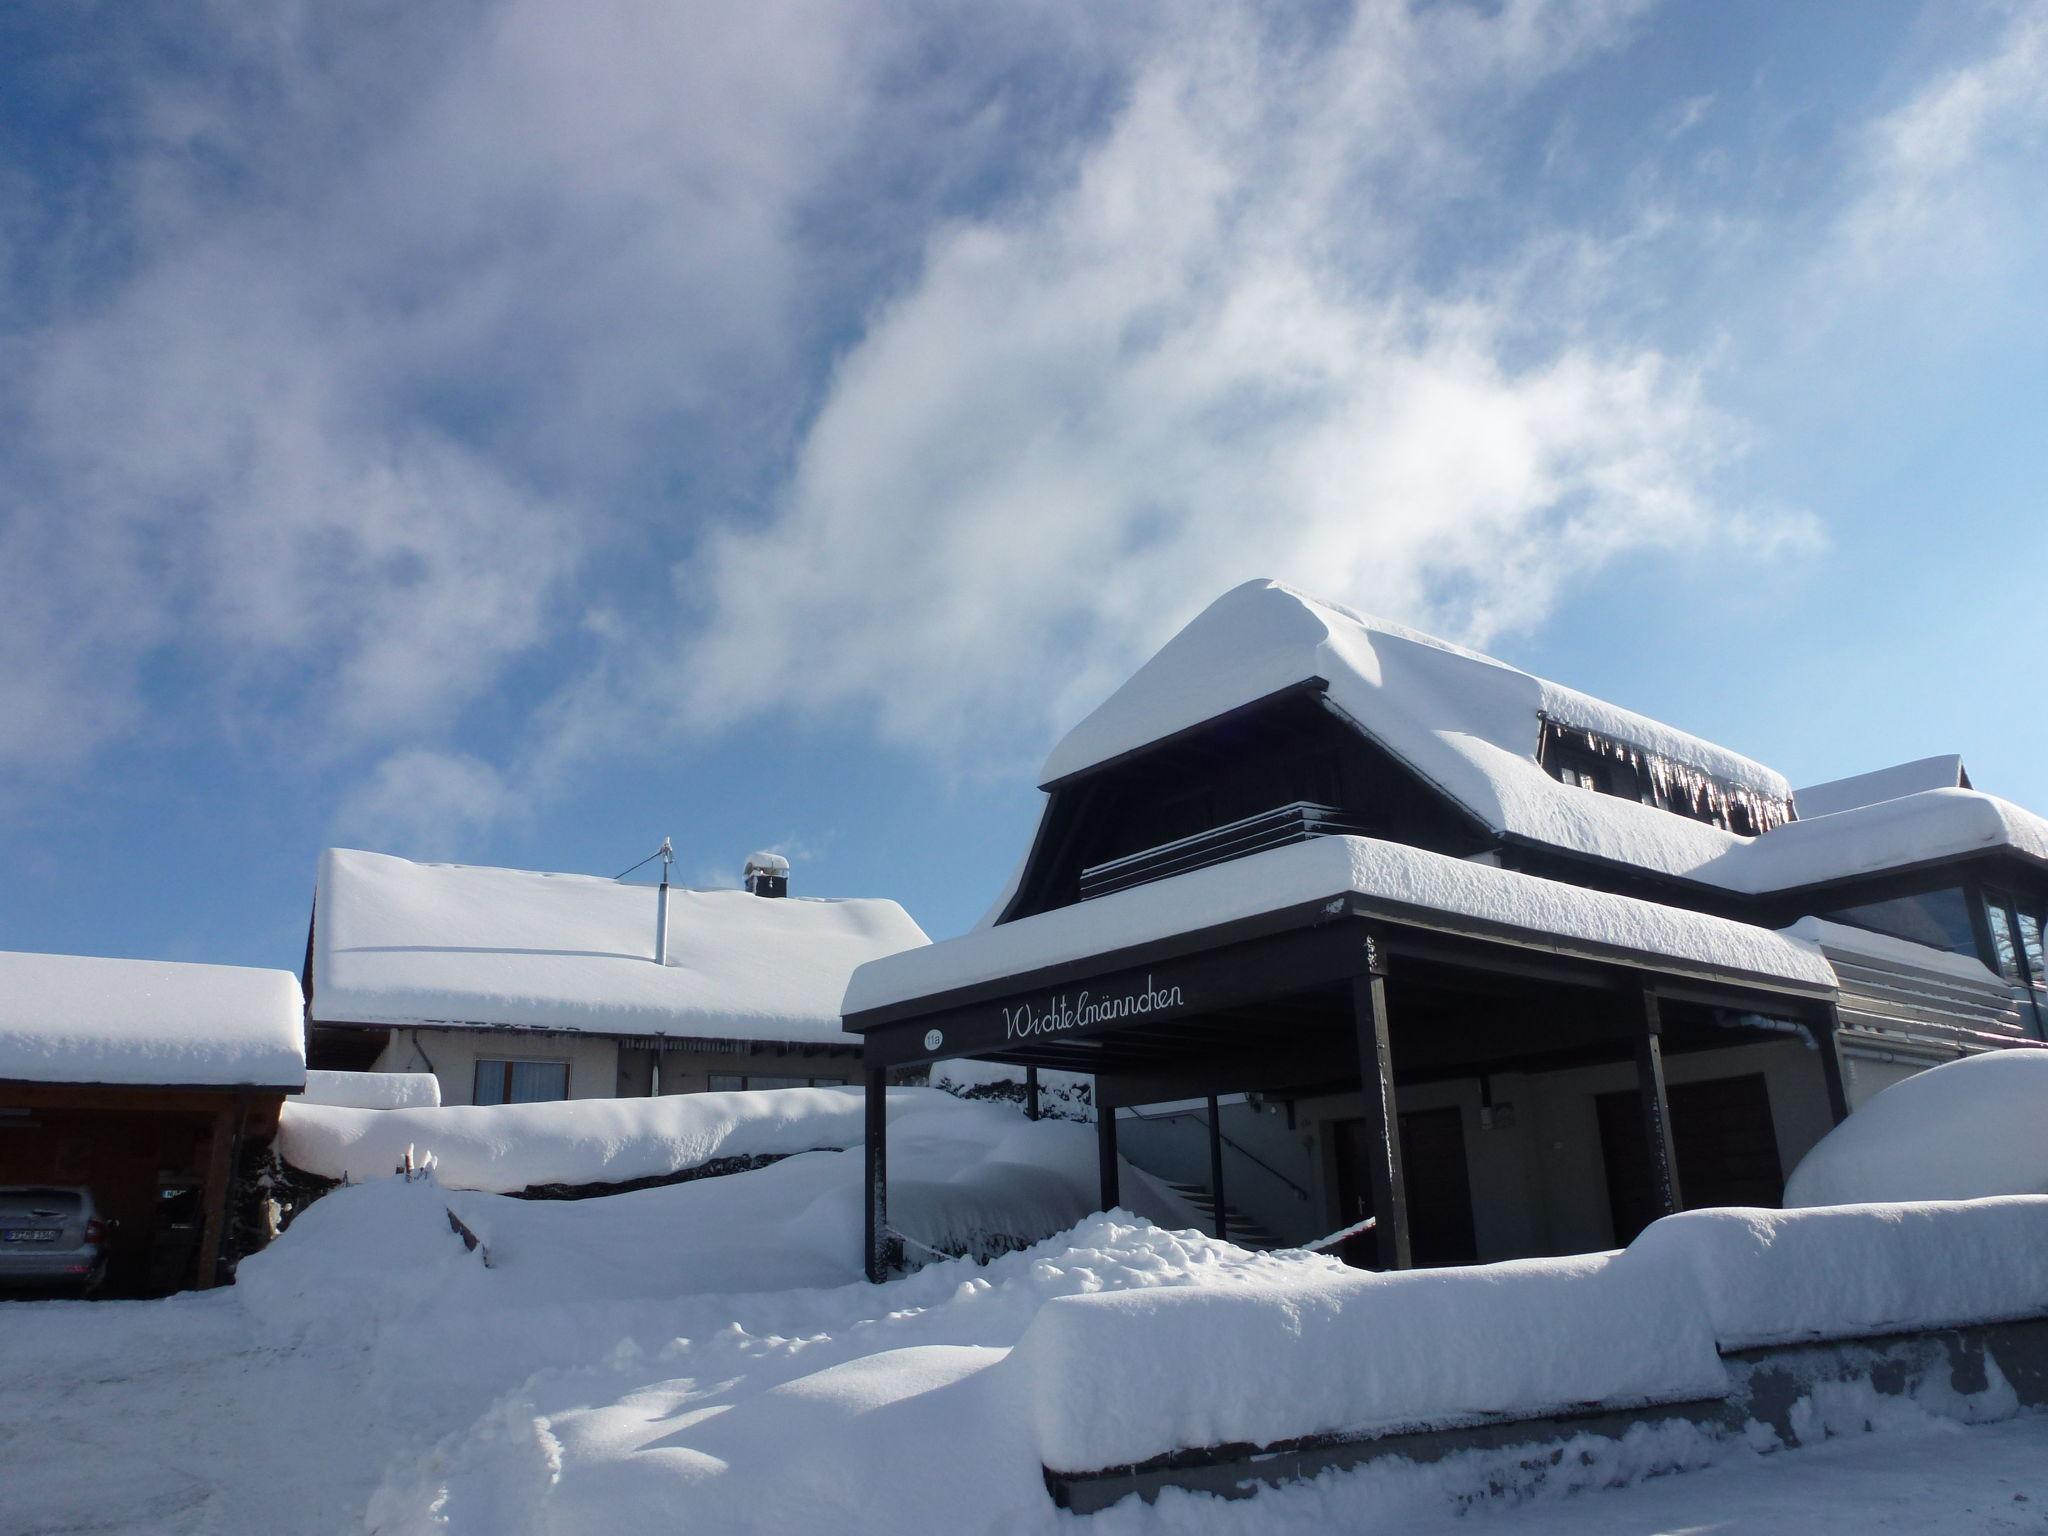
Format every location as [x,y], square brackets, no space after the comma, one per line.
[163,1023]
[372,1090]
[1320,869]
[401,943]
[1471,726]
[1861,789]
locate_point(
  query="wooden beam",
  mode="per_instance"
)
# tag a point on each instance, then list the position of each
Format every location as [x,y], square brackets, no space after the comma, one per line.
[1216,1168]
[1031,1093]
[877,1158]
[1825,1028]
[1105,1154]
[1656,1109]
[1382,1116]
[219,1157]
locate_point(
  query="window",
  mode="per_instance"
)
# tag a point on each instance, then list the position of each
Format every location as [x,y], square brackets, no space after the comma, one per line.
[520,1082]
[2016,939]
[1938,919]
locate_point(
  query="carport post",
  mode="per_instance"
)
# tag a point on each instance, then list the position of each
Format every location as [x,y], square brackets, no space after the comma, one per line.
[878,1175]
[1382,1116]
[1656,1108]
[219,1174]
[1105,1150]
[1031,1093]
[1216,1169]
[1824,1027]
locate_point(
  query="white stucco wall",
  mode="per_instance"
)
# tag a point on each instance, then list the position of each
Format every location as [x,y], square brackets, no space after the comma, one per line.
[452,1054]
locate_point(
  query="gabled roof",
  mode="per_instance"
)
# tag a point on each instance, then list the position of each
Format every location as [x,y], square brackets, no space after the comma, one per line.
[158,1023]
[1882,784]
[1471,726]
[401,943]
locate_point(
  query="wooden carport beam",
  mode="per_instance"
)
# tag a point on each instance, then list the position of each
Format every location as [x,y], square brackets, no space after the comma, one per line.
[1824,1026]
[220,1142]
[877,1150]
[1656,1108]
[1382,1117]
[1216,1168]
[1105,1150]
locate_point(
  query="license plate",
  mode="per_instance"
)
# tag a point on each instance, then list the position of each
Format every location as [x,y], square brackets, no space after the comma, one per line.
[31,1234]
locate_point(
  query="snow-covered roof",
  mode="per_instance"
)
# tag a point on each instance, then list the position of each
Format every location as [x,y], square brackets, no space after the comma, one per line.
[401,943]
[1472,725]
[1398,879]
[160,1023]
[1861,789]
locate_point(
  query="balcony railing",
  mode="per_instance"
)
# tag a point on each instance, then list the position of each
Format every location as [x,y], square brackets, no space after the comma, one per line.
[1276,828]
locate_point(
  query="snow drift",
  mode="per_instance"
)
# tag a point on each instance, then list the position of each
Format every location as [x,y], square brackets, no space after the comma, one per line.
[1958,1131]
[1119,1377]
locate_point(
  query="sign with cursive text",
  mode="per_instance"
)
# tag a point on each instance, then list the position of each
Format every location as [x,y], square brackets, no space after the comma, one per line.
[1087,1010]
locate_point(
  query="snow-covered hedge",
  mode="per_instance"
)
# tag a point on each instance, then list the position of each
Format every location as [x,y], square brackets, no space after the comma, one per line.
[507,1147]
[1123,1376]
[1962,1130]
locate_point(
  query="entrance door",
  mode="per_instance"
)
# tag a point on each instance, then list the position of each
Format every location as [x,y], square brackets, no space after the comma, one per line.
[1435,1177]
[1726,1145]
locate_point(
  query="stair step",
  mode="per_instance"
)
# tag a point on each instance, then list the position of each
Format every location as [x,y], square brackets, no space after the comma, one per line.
[1241,1229]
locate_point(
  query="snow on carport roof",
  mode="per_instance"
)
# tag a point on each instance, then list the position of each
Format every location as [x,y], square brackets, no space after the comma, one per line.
[160,1023]
[1398,877]
[398,943]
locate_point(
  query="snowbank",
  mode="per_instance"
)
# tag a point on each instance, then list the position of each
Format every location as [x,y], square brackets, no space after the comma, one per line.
[82,1019]
[1394,878]
[1121,1377]
[506,1147]
[400,943]
[373,1090]
[1967,1128]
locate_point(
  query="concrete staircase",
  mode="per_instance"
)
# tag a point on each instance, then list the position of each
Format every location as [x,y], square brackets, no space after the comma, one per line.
[1239,1228]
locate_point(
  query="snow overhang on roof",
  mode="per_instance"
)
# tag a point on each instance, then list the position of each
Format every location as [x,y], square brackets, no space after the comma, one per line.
[1471,726]
[1861,789]
[1466,723]
[401,943]
[80,1019]
[1402,884]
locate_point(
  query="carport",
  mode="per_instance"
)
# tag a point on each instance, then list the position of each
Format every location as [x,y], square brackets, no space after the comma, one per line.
[144,1081]
[1342,963]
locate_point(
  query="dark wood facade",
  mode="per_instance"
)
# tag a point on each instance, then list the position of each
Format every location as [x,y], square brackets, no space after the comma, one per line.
[160,1162]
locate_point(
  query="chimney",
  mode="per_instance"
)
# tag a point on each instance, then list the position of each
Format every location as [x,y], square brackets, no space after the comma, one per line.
[768,874]
[668,855]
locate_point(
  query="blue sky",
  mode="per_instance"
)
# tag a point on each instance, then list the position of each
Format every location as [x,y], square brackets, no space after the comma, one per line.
[515,432]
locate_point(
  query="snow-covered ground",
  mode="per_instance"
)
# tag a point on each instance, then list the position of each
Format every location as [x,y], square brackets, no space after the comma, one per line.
[703,1357]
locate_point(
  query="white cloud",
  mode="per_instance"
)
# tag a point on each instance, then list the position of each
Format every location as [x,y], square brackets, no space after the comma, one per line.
[1207,356]
[424,805]
[1931,177]
[403,317]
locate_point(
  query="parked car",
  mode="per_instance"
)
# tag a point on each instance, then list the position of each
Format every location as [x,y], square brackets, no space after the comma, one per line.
[51,1237]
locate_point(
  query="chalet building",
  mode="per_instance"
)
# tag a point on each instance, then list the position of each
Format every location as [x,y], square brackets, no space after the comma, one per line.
[148,1083]
[1346,921]
[512,986]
